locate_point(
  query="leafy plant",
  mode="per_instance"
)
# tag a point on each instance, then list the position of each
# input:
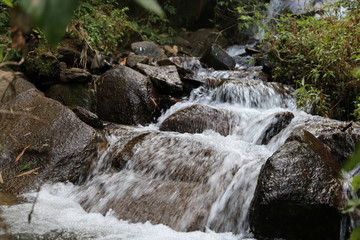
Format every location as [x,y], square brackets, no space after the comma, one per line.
[311,99]
[354,203]
[320,51]
[157,28]
[247,13]
[103,25]
[357,108]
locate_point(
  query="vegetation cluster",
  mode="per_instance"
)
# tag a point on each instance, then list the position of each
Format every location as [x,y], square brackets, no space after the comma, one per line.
[320,56]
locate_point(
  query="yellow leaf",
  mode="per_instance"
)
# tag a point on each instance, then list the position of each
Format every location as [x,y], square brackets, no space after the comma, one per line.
[1,179]
[22,153]
[28,172]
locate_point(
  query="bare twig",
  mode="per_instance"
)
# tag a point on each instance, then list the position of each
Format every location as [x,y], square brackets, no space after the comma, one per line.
[28,172]
[22,153]
[3,64]
[3,111]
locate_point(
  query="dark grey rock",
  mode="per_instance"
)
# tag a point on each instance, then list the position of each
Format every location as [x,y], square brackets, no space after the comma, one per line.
[125,96]
[280,121]
[134,59]
[60,145]
[299,194]
[149,49]
[217,58]
[198,118]
[165,78]
[88,117]
[76,94]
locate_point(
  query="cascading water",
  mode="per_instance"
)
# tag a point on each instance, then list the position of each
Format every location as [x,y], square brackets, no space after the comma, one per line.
[188,181]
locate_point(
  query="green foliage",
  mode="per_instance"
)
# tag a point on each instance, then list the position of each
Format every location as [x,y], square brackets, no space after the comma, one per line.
[355,235]
[247,13]
[52,17]
[311,99]
[353,204]
[321,51]
[4,18]
[9,3]
[357,108]
[106,26]
[156,28]
[353,160]
[26,166]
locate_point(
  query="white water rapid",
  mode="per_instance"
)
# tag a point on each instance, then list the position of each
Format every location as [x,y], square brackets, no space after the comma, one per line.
[154,178]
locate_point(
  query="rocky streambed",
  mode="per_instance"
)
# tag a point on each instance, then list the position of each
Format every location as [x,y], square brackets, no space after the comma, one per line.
[194,143]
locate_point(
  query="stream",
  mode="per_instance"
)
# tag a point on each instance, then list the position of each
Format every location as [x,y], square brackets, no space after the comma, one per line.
[188,181]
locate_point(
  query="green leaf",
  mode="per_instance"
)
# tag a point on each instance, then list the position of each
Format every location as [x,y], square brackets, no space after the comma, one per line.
[9,3]
[351,205]
[356,72]
[355,183]
[151,5]
[353,160]
[51,16]
[26,166]
[355,235]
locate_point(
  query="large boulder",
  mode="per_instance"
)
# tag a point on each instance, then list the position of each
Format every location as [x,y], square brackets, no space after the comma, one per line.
[217,58]
[299,194]
[125,96]
[42,140]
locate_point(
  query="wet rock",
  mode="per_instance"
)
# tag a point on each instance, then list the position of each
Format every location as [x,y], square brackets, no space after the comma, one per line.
[341,145]
[56,145]
[158,185]
[298,195]
[125,96]
[186,64]
[134,59]
[165,78]
[340,137]
[202,39]
[217,58]
[88,117]
[198,118]
[42,67]
[149,49]
[76,94]
[73,74]
[280,121]
[12,84]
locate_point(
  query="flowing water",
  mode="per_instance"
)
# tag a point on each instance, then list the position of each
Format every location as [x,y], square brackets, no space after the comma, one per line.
[154,178]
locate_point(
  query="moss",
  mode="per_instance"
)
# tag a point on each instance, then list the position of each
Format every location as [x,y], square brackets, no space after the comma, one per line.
[41,65]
